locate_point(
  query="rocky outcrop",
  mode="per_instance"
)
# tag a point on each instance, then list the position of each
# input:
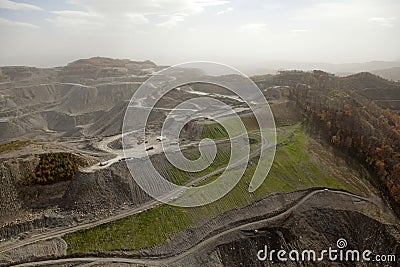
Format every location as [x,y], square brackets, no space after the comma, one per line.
[12,173]
[18,230]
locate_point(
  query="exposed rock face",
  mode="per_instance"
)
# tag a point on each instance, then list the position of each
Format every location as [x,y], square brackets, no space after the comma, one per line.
[12,172]
[61,107]
[313,230]
[35,101]
[109,123]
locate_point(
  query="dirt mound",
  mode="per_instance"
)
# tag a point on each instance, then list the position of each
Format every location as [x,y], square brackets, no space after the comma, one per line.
[105,189]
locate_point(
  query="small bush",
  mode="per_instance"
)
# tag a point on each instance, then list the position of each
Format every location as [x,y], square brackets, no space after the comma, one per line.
[55,167]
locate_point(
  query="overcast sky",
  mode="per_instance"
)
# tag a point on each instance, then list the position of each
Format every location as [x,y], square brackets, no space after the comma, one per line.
[237,32]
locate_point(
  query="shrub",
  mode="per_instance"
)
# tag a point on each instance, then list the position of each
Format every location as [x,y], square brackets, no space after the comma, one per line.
[55,167]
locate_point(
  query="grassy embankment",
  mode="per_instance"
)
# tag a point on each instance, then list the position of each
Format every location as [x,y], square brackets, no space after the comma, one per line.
[13,145]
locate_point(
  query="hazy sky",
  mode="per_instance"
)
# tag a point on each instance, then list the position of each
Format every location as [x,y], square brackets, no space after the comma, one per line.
[52,32]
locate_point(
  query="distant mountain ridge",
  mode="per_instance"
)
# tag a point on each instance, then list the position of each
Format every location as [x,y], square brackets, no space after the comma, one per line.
[390,74]
[343,69]
[91,68]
